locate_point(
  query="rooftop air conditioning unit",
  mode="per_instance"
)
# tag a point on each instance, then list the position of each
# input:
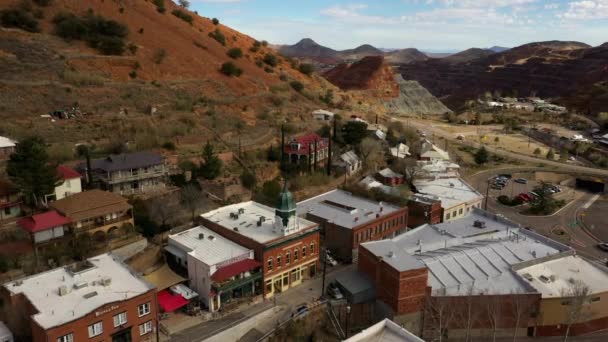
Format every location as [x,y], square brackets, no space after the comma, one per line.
[211,237]
[63,290]
[201,236]
[106,281]
[236,229]
[241,210]
[80,285]
[479,224]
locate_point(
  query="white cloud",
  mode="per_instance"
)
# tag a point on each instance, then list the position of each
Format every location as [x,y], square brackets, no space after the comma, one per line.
[586,9]
[352,13]
[552,6]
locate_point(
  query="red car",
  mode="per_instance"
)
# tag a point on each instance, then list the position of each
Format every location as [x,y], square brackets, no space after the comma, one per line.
[524,197]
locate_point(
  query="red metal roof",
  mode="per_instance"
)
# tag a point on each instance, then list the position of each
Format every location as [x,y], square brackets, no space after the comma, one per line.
[66,172]
[43,221]
[304,141]
[170,302]
[234,269]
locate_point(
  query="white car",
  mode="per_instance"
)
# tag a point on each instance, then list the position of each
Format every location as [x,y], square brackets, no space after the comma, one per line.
[330,260]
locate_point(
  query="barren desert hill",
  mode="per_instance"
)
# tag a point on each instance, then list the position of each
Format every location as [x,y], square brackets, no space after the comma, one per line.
[168,66]
[368,73]
[571,73]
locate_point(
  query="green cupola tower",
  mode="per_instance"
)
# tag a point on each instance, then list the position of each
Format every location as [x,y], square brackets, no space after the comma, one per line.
[285,212]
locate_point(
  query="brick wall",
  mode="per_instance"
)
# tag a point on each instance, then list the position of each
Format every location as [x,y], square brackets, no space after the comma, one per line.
[291,247]
[417,210]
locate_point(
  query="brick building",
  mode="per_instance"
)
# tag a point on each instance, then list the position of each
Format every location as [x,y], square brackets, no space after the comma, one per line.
[286,245]
[10,201]
[423,210]
[481,276]
[390,177]
[348,221]
[96,300]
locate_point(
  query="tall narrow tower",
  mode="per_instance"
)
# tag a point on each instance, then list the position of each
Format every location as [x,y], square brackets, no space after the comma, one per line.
[286,218]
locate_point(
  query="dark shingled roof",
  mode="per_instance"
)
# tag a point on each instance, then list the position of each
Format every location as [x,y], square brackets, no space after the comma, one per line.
[116,162]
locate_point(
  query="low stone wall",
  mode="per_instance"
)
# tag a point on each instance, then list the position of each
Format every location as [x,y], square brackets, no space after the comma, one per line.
[128,251]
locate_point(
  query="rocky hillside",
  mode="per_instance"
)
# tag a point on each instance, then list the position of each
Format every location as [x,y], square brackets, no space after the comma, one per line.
[467,55]
[573,73]
[404,56]
[119,61]
[368,73]
[414,100]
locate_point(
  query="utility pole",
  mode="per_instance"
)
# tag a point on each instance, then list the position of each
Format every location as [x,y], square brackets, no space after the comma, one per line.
[485,207]
[329,155]
[324,273]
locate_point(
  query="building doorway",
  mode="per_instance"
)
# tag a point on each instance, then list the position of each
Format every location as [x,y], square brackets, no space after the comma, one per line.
[122,336]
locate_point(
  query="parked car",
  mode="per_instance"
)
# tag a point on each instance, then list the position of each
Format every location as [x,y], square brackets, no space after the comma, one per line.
[603,246]
[521,181]
[533,194]
[524,197]
[497,186]
[334,291]
[505,175]
[330,260]
[300,310]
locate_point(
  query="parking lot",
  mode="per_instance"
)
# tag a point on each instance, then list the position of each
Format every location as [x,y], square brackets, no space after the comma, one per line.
[512,188]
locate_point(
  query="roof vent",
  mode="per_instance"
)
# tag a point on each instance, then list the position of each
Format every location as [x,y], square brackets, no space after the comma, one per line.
[544,279]
[106,281]
[201,236]
[63,290]
[391,254]
[18,283]
[234,216]
[451,185]
[90,295]
[80,285]
[211,237]
[479,224]
[236,229]
[528,276]
[356,218]
[241,210]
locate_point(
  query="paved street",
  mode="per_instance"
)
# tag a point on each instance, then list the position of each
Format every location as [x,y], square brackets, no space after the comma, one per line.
[307,292]
[430,128]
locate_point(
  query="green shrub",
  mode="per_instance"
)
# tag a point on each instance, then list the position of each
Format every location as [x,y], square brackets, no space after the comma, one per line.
[132,48]
[169,145]
[218,36]
[306,69]
[18,18]
[230,69]
[235,53]
[183,15]
[297,86]
[271,60]
[107,36]
[215,21]
[133,74]
[159,56]
[160,5]
[268,70]
[502,199]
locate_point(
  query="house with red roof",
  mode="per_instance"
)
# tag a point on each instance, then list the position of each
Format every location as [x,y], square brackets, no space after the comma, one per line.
[69,183]
[10,201]
[44,227]
[310,149]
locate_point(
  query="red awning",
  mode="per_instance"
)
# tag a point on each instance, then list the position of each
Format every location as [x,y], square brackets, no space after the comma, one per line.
[236,268]
[44,221]
[170,302]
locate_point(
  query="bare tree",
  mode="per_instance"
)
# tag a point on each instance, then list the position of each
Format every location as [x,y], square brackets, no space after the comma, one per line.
[467,311]
[521,307]
[576,296]
[160,211]
[371,153]
[494,312]
[190,198]
[410,169]
[440,312]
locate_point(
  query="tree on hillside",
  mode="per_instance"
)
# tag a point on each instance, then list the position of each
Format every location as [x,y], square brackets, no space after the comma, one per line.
[537,151]
[371,153]
[481,156]
[410,170]
[160,212]
[30,169]
[248,180]
[184,3]
[190,198]
[211,165]
[354,132]
[550,154]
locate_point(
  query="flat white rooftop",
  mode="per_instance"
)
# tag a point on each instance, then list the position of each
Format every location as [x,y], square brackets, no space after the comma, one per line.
[554,278]
[85,289]
[385,331]
[451,191]
[246,224]
[344,209]
[462,258]
[206,245]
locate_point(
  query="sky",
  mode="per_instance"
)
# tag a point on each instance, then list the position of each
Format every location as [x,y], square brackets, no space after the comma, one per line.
[429,25]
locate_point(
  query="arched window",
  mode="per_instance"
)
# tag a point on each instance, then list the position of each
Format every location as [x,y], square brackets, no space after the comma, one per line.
[270,264]
[295,254]
[279,260]
[312,248]
[303,251]
[287,258]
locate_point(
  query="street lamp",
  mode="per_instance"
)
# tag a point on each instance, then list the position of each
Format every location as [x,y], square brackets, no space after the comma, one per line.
[347,320]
